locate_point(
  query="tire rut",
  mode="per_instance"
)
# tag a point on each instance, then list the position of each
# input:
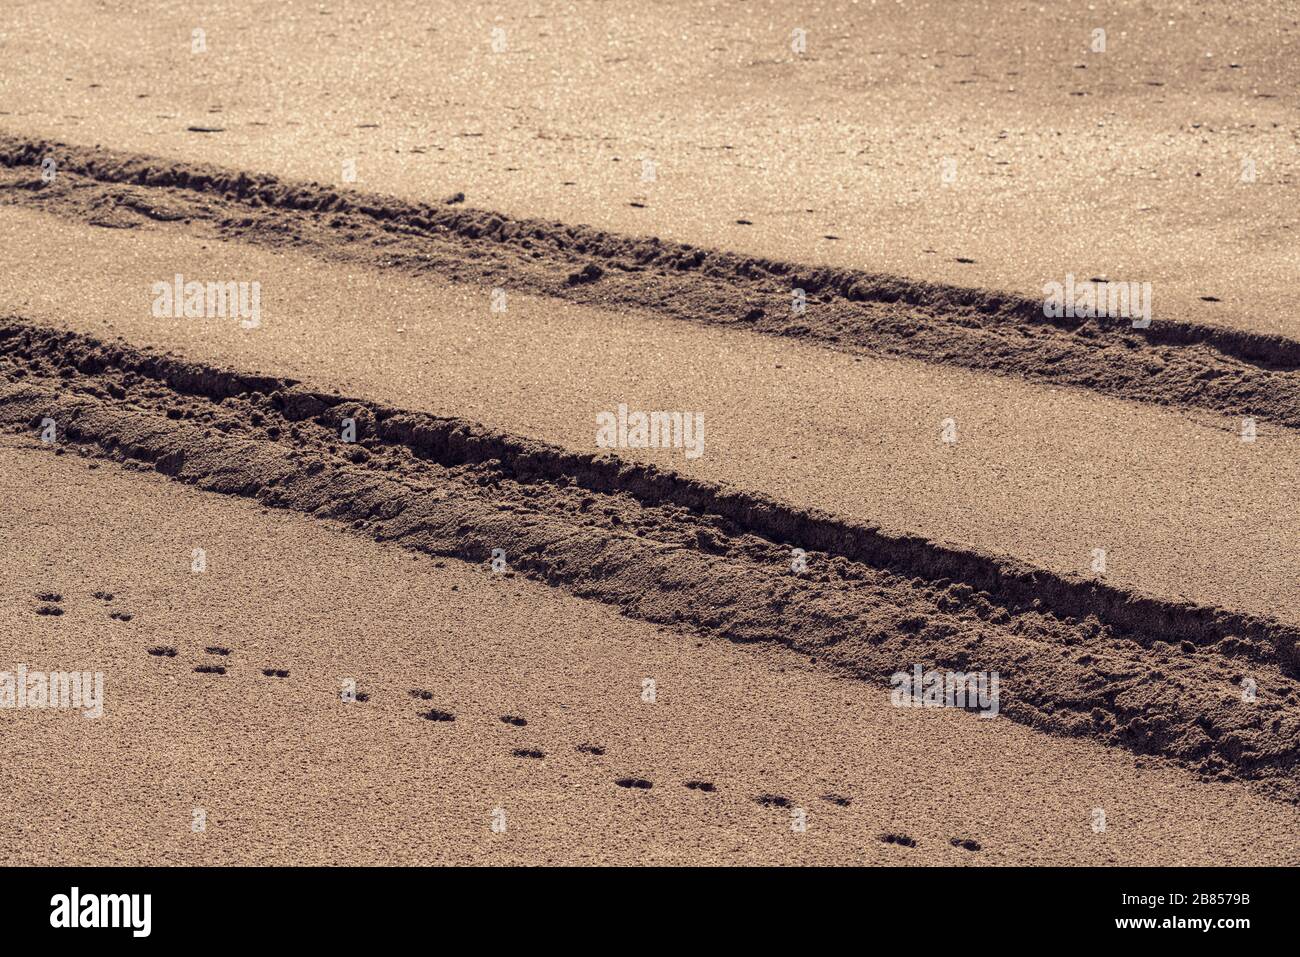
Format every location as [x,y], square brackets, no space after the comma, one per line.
[1172,363]
[1075,657]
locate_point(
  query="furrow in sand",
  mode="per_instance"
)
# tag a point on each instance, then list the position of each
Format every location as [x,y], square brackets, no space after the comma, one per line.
[1212,690]
[1173,362]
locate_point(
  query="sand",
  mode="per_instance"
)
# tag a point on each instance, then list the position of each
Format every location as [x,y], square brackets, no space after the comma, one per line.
[831,258]
[1126,164]
[286,771]
[1040,473]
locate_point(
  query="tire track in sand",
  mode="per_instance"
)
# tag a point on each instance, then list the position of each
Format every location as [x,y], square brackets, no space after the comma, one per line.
[1077,657]
[1171,363]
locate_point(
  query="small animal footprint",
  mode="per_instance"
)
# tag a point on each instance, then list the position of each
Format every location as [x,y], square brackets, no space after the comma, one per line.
[706,786]
[528,753]
[965,842]
[837,799]
[275,672]
[436,715]
[216,650]
[421,694]
[120,615]
[641,783]
[210,669]
[772,800]
[900,839]
[51,596]
[515,720]
[163,651]
[595,749]
[102,595]
[51,610]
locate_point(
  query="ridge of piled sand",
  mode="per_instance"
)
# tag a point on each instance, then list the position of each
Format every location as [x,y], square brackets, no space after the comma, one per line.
[1077,657]
[1171,362]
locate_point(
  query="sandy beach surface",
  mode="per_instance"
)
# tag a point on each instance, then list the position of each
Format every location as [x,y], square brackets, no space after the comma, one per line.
[546,700]
[1125,163]
[368,575]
